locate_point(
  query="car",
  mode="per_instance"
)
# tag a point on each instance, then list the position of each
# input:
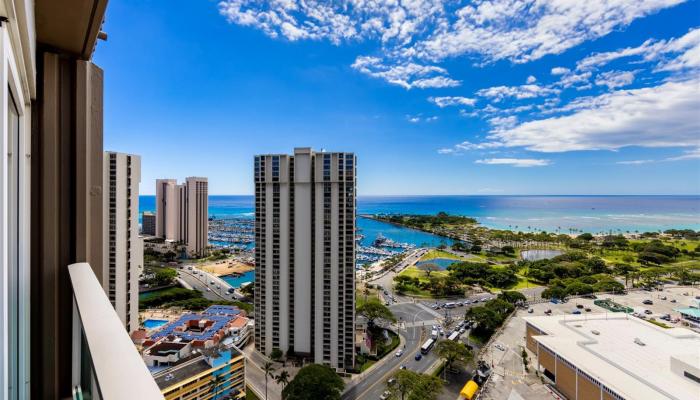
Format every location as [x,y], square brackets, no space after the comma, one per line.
[530,310]
[386,303]
[391,381]
[500,347]
[588,309]
[208,290]
[190,268]
[648,302]
[399,352]
[673,300]
[647,312]
[393,299]
[385,395]
[548,311]
[402,367]
[663,297]
[418,356]
[434,306]
[579,306]
[666,317]
[576,312]
[212,282]
[462,330]
[230,290]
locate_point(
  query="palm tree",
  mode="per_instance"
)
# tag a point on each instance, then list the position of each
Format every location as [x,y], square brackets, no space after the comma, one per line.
[216,384]
[268,369]
[282,378]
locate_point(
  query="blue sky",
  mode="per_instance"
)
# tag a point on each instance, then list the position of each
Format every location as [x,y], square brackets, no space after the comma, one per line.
[481,97]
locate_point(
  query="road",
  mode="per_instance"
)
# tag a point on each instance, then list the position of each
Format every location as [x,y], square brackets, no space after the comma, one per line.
[202,283]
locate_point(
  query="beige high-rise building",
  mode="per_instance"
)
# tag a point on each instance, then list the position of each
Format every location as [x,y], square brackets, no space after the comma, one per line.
[305,255]
[123,248]
[182,212]
[167,209]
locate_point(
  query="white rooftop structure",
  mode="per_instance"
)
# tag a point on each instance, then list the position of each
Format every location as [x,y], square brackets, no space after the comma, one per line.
[636,359]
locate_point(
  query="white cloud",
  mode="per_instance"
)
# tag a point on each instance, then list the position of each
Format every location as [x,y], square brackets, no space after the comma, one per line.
[500,123]
[409,75]
[467,146]
[688,155]
[531,79]
[635,162]
[422,31]
[572,79]
[684,53]
[661,116]
[560,71]
[615,79]
[515,162]
[414,119]
[446,101]
[498,93]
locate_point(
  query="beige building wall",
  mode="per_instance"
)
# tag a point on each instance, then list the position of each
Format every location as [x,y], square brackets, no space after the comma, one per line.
[123,247]
[197,215]
[167,209]
[305,255]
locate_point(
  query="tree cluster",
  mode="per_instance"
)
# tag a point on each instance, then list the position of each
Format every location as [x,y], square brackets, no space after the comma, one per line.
[484,274]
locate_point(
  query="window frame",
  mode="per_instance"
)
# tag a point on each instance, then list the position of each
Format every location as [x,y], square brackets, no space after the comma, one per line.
[14,223]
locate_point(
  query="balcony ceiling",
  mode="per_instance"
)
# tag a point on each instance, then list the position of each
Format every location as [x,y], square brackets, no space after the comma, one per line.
[70,25]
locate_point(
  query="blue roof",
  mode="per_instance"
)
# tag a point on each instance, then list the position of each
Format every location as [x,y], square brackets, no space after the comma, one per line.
[222,310]
[221,315]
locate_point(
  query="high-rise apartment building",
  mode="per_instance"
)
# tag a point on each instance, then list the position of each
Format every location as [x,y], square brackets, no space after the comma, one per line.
[148,223]
[305,255]
[123,248]
[182,212]
[167,209]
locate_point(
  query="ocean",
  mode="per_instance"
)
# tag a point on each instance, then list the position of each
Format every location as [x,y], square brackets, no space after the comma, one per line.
[594,214]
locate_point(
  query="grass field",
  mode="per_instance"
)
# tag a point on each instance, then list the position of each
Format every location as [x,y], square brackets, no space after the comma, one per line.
[433,254]
[148,295]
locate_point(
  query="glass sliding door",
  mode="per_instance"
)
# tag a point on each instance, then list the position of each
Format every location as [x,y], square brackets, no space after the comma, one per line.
[13,273]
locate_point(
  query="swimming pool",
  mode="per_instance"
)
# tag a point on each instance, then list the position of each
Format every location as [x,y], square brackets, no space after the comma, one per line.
[154,323]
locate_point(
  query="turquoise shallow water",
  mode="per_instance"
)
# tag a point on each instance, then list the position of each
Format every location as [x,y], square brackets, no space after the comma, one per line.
[236,281]
[595,214]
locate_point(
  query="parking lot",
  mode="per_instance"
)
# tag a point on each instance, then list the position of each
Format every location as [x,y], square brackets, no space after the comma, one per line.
[509,378]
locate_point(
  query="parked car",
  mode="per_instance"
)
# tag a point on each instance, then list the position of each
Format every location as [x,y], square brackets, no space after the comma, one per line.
[391,381]
[673,300]
[385,395]
[399,352]
[418,356]
[648,302]
[530,311]
[663,297]
[500,347]
[588,309]
[579,306]
[647,312]
[576,312]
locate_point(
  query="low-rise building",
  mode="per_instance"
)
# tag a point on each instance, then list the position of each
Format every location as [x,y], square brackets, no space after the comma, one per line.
[148,223]
[203,330]
[215,373]
[615,356]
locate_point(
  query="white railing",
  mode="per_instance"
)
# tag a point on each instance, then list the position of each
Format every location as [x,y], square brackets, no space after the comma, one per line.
[106,365]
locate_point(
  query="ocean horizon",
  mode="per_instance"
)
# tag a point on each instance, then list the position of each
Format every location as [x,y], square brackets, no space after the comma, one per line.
[563,213]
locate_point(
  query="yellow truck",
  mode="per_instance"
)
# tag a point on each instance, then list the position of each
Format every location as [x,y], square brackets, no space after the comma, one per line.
[469,390]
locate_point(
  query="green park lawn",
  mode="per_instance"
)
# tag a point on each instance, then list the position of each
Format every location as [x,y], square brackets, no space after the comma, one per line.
[435,253]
